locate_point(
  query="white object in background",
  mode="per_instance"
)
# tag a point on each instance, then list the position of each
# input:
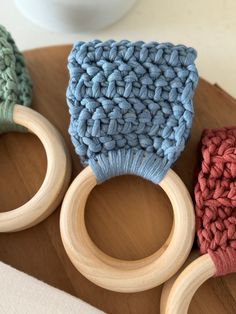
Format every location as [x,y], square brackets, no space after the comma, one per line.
[23,294]
[74,15]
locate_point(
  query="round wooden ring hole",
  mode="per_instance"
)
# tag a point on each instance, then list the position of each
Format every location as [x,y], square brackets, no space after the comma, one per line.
[128,217]
[56,181]
[119,275]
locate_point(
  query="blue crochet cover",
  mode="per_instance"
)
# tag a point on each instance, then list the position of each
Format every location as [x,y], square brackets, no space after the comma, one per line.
[130,105]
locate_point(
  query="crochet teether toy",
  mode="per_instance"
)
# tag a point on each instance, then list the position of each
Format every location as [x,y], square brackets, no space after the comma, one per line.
[215,218]
[15,88]
[131,113]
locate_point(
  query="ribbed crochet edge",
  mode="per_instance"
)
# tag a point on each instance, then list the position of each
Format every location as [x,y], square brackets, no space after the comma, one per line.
[6,119]
[146,165]
[224,261]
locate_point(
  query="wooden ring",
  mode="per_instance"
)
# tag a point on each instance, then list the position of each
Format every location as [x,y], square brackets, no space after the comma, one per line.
[56,181]
[119,275]
[179,290]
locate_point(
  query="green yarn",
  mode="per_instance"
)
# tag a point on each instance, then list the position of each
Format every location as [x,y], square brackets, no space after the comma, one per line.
[15,83]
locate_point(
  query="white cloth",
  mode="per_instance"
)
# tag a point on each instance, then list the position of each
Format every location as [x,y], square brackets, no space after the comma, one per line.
[23,294]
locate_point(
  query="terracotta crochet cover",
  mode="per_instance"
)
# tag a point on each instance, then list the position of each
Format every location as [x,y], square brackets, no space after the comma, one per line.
[215,196]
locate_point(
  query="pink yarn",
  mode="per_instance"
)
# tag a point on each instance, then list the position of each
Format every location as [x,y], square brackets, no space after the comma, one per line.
[215,196]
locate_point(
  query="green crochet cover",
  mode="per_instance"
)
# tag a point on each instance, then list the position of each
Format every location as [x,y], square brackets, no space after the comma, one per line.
[15,83]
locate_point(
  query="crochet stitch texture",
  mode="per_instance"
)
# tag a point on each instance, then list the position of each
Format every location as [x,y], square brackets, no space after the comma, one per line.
[130,105]
[15,83]
[215,195]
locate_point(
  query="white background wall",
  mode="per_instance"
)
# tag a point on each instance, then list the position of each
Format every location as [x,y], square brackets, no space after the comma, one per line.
[207,25]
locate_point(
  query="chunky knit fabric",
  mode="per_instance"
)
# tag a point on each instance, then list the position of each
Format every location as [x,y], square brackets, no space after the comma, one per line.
[15,84]
[131,105]
[215,195]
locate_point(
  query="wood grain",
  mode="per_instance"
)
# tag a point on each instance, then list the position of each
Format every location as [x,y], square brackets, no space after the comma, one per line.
[127,217]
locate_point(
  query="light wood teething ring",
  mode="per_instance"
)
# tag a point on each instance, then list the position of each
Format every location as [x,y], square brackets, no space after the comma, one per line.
[215,219]
[16,87]
[179,293]
[119,275]
[124,123]
[48,197]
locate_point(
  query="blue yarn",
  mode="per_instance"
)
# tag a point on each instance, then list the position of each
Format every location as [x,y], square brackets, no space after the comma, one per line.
[130,105]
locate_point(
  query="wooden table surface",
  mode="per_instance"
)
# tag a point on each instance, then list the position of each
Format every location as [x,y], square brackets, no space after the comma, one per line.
[127,217]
